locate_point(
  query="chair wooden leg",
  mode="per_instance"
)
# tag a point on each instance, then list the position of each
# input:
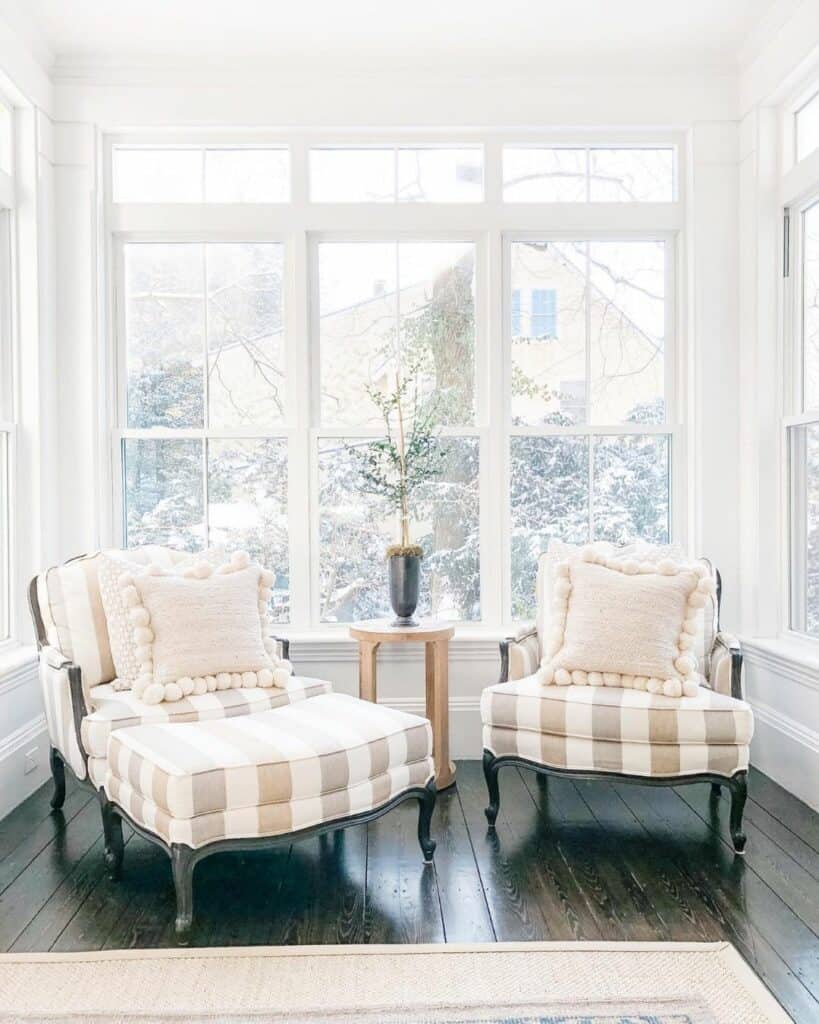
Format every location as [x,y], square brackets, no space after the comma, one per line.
[182,864]
[427,806]
[58,774]
[739,794]
[716,789]
[114,845]
[490,773]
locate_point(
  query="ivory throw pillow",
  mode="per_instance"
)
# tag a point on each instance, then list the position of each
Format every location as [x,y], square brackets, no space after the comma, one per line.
[202,632]
[620,622]
[120,629]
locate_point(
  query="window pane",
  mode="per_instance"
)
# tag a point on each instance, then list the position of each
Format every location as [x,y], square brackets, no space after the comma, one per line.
[549,497]
[548,333]
[157,175]
[5,500]
[558,175]
[627,325]
[807,128]
[355,528]
[631,488]
[810,305]
[247,506]
[352,175]
[164,329]
[388,304]
[804,486]
[631,175]
[533,175]
[440,175]
[245,342]
[163,493]
[247,175]
[196,174]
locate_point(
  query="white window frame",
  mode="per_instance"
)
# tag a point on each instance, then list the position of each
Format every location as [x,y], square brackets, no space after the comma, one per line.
[8,396]
[492,224]
[795,414]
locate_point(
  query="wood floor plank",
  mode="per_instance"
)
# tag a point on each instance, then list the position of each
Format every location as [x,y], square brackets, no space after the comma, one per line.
[530,889]
[16,826]
[321,896]
[745,904]
[32,889]
[569,860]
[402,902]
[790,842]
[784,806]
[36,840]
[463,902]
[683,916]
[788,879]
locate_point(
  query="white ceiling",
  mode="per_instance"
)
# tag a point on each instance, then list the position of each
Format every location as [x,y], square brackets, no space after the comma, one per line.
[532,35]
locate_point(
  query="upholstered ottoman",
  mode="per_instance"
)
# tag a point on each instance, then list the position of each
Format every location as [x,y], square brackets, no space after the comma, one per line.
[241,783]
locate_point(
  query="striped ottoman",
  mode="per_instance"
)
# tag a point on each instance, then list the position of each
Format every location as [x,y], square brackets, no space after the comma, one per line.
[198,788]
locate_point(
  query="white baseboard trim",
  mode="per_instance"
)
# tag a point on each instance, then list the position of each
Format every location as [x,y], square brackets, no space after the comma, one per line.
[787,751]
[15,785]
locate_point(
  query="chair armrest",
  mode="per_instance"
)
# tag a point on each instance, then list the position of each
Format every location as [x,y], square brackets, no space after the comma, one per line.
[520,654]
[65,707]
[284,646]
[726,666]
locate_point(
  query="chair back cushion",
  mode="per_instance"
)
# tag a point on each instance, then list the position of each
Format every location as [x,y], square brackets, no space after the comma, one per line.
[73,614]
[559,551]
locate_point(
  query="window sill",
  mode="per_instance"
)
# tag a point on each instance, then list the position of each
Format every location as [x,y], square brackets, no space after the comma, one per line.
[789,656]
[470,643]
[17,661]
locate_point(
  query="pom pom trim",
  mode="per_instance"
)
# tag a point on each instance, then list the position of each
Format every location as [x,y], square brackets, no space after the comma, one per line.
[684,684]
[275,672]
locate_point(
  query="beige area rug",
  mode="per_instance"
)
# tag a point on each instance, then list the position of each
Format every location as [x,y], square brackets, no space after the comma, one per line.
[505,983]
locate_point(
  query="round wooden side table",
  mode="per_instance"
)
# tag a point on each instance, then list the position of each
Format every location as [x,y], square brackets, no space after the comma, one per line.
[435,636]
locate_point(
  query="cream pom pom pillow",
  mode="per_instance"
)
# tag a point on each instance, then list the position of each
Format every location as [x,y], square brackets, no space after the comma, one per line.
[202,631]
[620,622]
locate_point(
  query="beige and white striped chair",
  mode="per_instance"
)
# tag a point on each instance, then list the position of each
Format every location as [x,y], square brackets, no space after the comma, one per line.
[626,735]
[233,769]
[76,671]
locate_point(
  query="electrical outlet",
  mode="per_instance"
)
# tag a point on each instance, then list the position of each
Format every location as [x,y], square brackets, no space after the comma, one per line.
[31,761]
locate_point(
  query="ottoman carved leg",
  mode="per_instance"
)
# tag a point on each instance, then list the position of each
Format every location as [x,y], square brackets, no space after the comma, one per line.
[182,863]
[427,806]
[739,794]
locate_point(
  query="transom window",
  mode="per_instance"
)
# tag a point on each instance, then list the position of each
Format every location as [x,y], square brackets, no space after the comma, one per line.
[250,343]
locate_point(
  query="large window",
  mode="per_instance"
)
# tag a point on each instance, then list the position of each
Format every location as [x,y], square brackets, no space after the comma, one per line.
[263,290]
[7,375]
[803,427]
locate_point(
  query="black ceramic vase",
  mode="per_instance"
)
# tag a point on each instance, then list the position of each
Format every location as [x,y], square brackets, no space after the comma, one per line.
[405,579]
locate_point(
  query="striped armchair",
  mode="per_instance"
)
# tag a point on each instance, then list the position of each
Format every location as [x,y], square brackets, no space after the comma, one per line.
[628,735]
[77,670]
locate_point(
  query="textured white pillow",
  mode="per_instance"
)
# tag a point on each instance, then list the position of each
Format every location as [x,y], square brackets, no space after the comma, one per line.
[111,565]
[203,631]
[620,622]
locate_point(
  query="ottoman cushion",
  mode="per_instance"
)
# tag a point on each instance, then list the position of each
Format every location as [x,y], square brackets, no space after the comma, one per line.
[269,773]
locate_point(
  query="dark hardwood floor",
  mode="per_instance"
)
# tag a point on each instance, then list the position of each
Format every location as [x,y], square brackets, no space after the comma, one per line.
[569,861]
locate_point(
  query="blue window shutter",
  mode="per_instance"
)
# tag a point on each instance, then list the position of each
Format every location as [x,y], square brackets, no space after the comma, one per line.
[516,313]
[544,313]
